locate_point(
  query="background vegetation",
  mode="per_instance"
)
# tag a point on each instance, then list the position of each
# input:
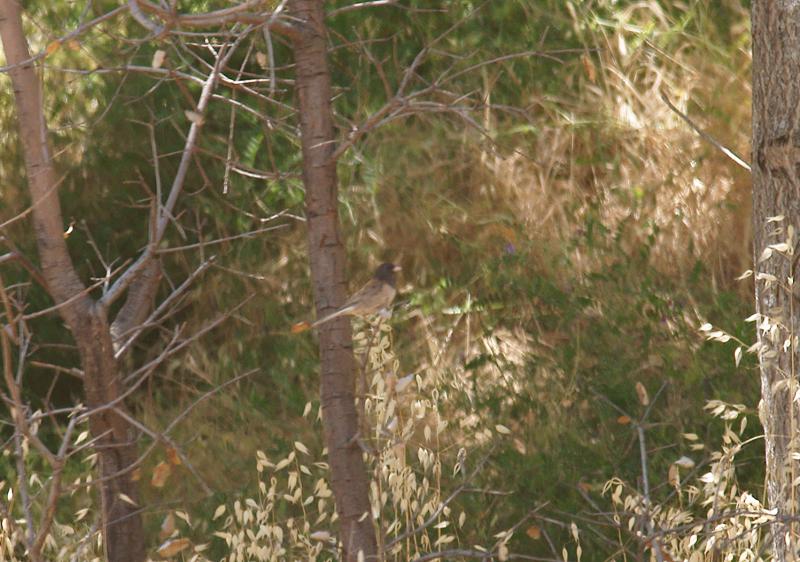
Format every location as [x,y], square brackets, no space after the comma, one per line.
[550,263]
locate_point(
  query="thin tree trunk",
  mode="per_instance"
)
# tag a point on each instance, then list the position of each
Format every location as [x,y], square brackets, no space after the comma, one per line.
[776,192]
[349,481]
[117,449]
[122,525]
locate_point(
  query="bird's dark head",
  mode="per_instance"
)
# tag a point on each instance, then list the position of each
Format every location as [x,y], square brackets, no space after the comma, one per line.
[386,273]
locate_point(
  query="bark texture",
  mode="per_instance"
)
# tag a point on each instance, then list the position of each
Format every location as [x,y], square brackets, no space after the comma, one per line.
[776,192]
[116,448]
[349,481]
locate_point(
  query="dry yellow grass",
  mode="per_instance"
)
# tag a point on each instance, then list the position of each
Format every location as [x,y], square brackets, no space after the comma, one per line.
[609,149]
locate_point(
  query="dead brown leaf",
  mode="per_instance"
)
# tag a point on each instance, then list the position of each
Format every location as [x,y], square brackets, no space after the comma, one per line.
[160,474]
[167,527]
[173,457]
[533,532]
[300,327]
[641,392]
[173,547]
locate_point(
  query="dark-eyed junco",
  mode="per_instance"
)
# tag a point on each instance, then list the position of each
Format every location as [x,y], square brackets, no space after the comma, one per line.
[376,295]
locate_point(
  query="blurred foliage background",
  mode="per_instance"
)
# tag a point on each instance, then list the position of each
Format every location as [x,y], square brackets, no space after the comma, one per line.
[551,261]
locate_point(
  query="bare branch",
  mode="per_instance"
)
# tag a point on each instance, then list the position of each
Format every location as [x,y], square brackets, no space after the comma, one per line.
[162,437]
[46,519]
[705,136]
[646,484]
[169,428]
[68,37]
[21,215]
[165,212]
[60,307]
[166,303]
[72,371]
[235,14]
[402,104]
[524,54]
[362,5]
[368,125]
[18,256]
[139,301]
[21,428]
[143,20]
[249,234]
[142,372]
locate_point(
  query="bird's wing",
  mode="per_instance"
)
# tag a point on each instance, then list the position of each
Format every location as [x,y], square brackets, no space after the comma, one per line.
[372,297]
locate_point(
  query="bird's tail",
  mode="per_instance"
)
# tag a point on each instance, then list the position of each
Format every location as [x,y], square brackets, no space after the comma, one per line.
[304,326]
[331,316]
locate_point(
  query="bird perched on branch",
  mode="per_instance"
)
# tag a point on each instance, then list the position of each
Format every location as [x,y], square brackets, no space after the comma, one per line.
[373,297]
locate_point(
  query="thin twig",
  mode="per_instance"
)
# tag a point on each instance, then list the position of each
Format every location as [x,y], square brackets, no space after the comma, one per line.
[49,513]
[249,234]
[162,307]
[17,255]
[169,428]
[69,36]
[646,485]
[440,508]
[235,14]
[362,5]
[224,55]
[726,151]
[69,301]
[162,437]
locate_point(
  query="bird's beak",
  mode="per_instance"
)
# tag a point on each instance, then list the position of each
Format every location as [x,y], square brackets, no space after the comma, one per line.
[397,268]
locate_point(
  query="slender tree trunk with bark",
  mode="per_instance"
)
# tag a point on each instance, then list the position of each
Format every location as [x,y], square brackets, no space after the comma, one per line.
[116,447]
[776,194]
[349,481]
